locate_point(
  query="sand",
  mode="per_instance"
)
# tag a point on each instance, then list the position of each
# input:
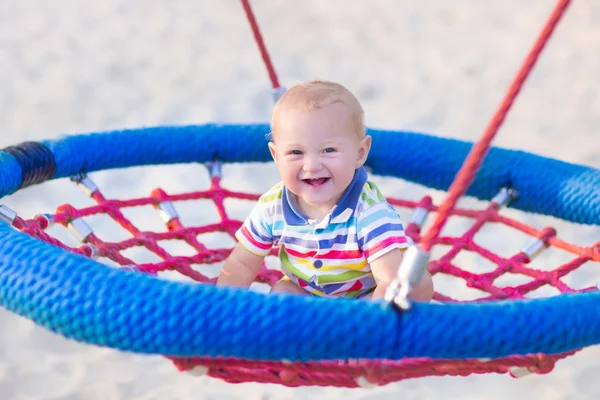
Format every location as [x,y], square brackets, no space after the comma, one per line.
[428,66]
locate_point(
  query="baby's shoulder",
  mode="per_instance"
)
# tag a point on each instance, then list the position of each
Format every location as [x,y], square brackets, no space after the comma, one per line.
[370,196]
[271,197]
[373,204]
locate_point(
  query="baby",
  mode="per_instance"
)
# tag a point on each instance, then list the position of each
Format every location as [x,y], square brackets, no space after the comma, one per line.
[338,236]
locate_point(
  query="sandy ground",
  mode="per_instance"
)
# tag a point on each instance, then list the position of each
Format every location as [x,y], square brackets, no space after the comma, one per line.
[429,66]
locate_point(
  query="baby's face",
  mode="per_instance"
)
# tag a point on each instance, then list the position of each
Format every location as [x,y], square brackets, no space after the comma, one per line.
[317,152]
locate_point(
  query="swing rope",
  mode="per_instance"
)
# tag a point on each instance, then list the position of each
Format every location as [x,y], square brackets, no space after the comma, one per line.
[475,158]
[261,44]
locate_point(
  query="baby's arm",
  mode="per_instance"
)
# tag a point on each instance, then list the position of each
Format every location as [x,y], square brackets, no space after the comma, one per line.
[254,244]
[240,268]
[384,271]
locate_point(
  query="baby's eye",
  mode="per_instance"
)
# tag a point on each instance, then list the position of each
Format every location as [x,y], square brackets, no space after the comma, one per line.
[330,150]
[295,152]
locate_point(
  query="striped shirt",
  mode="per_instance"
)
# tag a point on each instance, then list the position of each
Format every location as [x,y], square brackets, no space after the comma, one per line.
[330,257]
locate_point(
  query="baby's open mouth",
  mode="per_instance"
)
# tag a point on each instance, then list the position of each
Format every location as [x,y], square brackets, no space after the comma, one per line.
[315,182]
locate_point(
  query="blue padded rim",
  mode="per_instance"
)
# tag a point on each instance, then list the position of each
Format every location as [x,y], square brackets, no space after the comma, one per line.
[86,301]
[546,186]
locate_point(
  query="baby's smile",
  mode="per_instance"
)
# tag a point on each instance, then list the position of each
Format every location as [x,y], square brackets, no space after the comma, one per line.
[315,182]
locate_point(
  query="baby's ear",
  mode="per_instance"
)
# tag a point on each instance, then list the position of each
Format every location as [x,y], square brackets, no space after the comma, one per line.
[363,150]
[273,151]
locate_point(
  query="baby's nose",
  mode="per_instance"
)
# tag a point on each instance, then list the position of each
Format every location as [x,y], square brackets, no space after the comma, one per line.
[312,164]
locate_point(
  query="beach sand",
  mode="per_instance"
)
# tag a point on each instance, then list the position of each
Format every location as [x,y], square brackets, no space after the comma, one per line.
[429,66]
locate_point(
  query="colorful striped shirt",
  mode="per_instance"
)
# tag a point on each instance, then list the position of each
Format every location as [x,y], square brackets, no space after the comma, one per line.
[330,257]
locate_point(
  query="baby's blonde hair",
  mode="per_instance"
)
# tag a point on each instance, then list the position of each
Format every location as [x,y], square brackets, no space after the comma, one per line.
[318,94]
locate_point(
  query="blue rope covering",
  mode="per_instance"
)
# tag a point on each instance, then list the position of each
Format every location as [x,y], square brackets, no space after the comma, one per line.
[546,186]
[89,302]
[86,301]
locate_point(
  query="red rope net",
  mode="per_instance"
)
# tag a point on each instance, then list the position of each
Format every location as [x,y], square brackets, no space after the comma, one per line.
[344,373]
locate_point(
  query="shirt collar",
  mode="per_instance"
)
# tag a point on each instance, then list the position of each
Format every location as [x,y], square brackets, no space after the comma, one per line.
[339,213]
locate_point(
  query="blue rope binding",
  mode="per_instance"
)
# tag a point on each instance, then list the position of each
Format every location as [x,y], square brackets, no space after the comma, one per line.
[86,301]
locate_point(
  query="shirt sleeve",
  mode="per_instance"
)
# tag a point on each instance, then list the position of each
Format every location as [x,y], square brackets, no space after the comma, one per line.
[256,233]
[379,231]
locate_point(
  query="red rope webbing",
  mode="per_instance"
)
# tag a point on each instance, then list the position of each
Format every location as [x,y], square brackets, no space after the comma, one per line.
[356,373]
[324,373]
[516,264]
[475,158]
[261,44]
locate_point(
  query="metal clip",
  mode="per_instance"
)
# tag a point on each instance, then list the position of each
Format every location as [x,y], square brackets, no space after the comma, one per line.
[167,211]
[504,196]
[85,183]
[198,370]
[519,372]
[130,267]
[94,251]
[410,273]
[46,217]
[215,169]
[7,214]
[364,383]
[535,247]
[277,93]
[80,229]
[419,216]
